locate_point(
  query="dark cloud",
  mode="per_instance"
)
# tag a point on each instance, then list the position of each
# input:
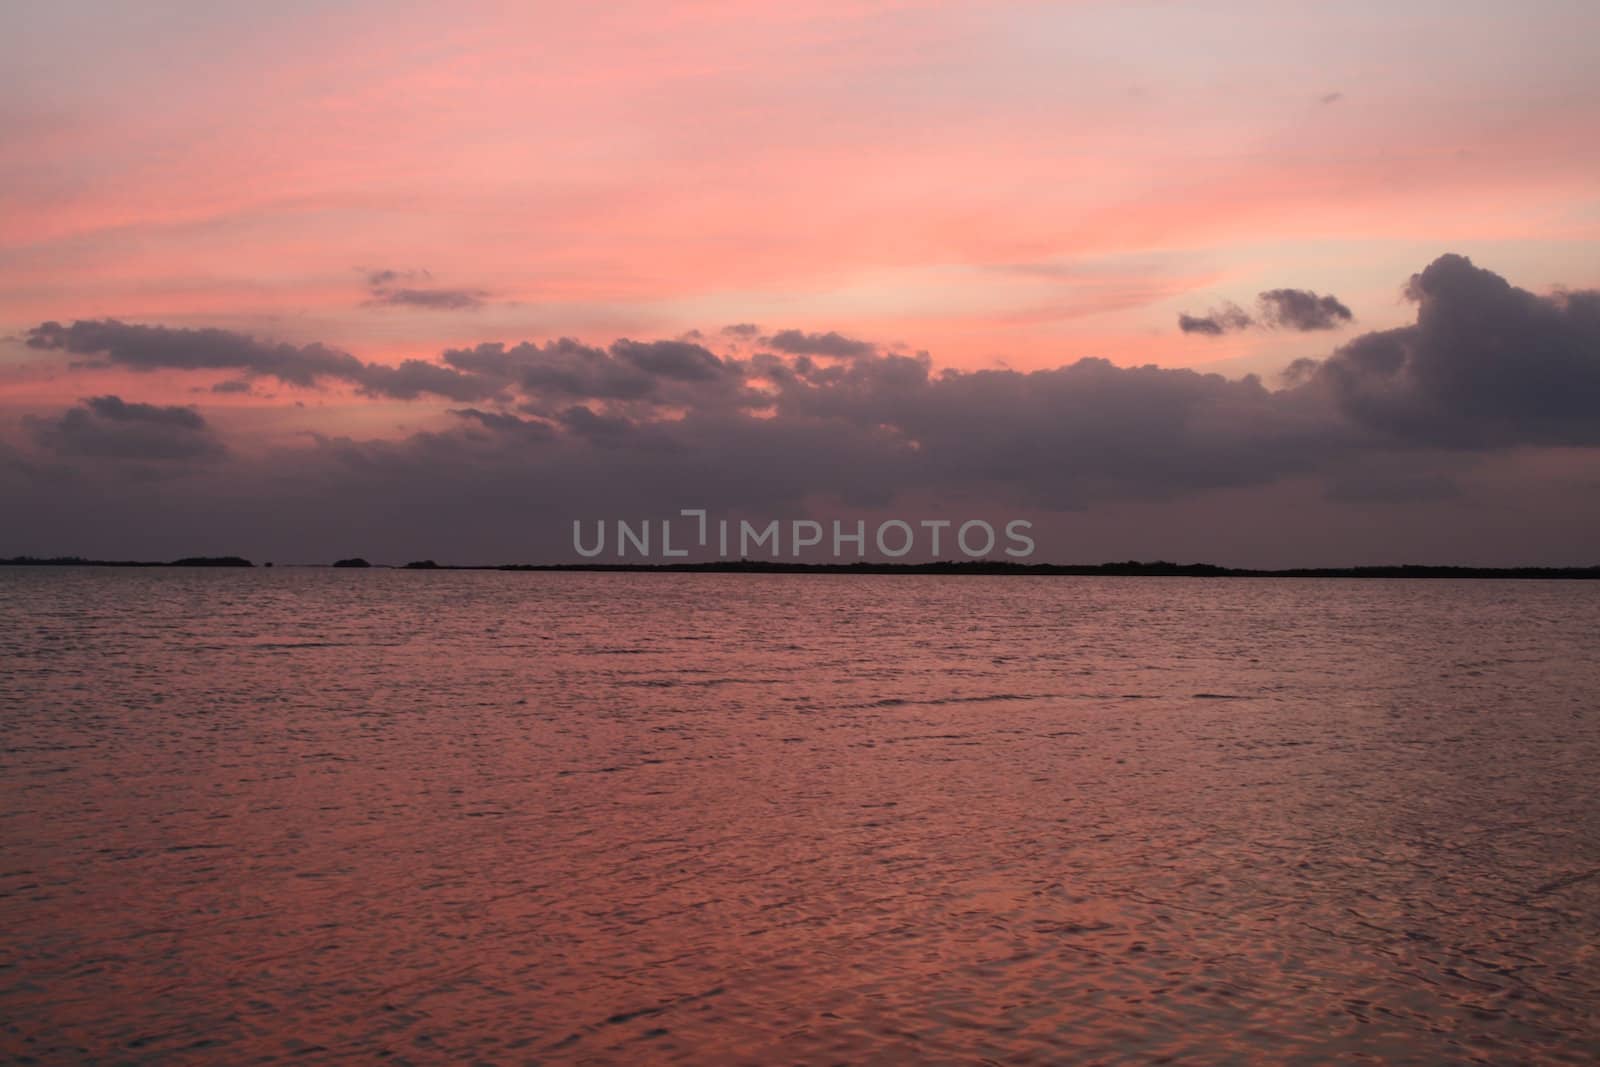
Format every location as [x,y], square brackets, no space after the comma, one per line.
[556,373]
[1218,321]
[233,385]
[1281,309]
[679,360]
[603,430]
[108,427]
[168,348]
[831,343]
[501,422]
[148,348]
[414,377]
[1331,98]
[1486,364]
[560,369]
[741,329]
[1301,309]
[550,431]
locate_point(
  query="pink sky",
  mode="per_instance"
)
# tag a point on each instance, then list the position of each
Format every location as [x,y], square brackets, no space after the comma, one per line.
[1000,184]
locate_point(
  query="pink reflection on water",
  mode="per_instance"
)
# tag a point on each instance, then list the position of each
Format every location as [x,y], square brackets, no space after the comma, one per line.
[618,818]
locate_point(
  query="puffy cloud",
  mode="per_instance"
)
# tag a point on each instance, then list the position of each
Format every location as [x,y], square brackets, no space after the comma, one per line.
[107,427]
[679,360]
[1217,321]
[831,343]
[1486,364]
[1301,309]
[564,368]
[635,372]
[414,377]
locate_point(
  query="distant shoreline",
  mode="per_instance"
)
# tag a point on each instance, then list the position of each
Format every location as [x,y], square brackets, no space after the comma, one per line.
[1128,569]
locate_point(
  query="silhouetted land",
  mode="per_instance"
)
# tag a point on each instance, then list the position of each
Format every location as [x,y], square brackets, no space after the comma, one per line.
[1130,568]
[78,561]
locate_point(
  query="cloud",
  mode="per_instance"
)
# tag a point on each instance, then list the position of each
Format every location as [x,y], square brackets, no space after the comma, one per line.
[414,377]
[433,299]
[1217,321]
[149,348]
[107,427]
[501,422]
[635,372]
[1485,365]
[680,360]
[1301,309]
[1393,418]
[168,348]
[564,368]
[831,343]
[1279,309]
[604,430]
[384,292]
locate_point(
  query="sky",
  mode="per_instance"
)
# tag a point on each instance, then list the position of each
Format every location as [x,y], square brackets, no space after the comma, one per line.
[1260,284]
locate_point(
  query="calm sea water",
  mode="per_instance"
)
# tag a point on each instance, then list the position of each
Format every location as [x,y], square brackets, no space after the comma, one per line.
[514,818]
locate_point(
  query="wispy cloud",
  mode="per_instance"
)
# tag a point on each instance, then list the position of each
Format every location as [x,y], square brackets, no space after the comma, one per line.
[391,288]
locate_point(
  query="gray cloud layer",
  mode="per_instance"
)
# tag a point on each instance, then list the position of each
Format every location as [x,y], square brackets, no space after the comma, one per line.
[646,427]
[107,427]
[147,348]
[167,348]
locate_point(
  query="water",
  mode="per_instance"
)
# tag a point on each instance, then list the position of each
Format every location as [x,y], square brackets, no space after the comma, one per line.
[515,818]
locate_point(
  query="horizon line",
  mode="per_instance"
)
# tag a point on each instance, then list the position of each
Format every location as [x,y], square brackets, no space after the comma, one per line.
[1127,568]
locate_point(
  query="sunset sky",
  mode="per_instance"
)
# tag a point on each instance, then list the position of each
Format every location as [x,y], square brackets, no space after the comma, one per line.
[293,279]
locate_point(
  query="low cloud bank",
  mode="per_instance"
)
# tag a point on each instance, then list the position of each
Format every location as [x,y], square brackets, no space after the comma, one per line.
[561,428]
